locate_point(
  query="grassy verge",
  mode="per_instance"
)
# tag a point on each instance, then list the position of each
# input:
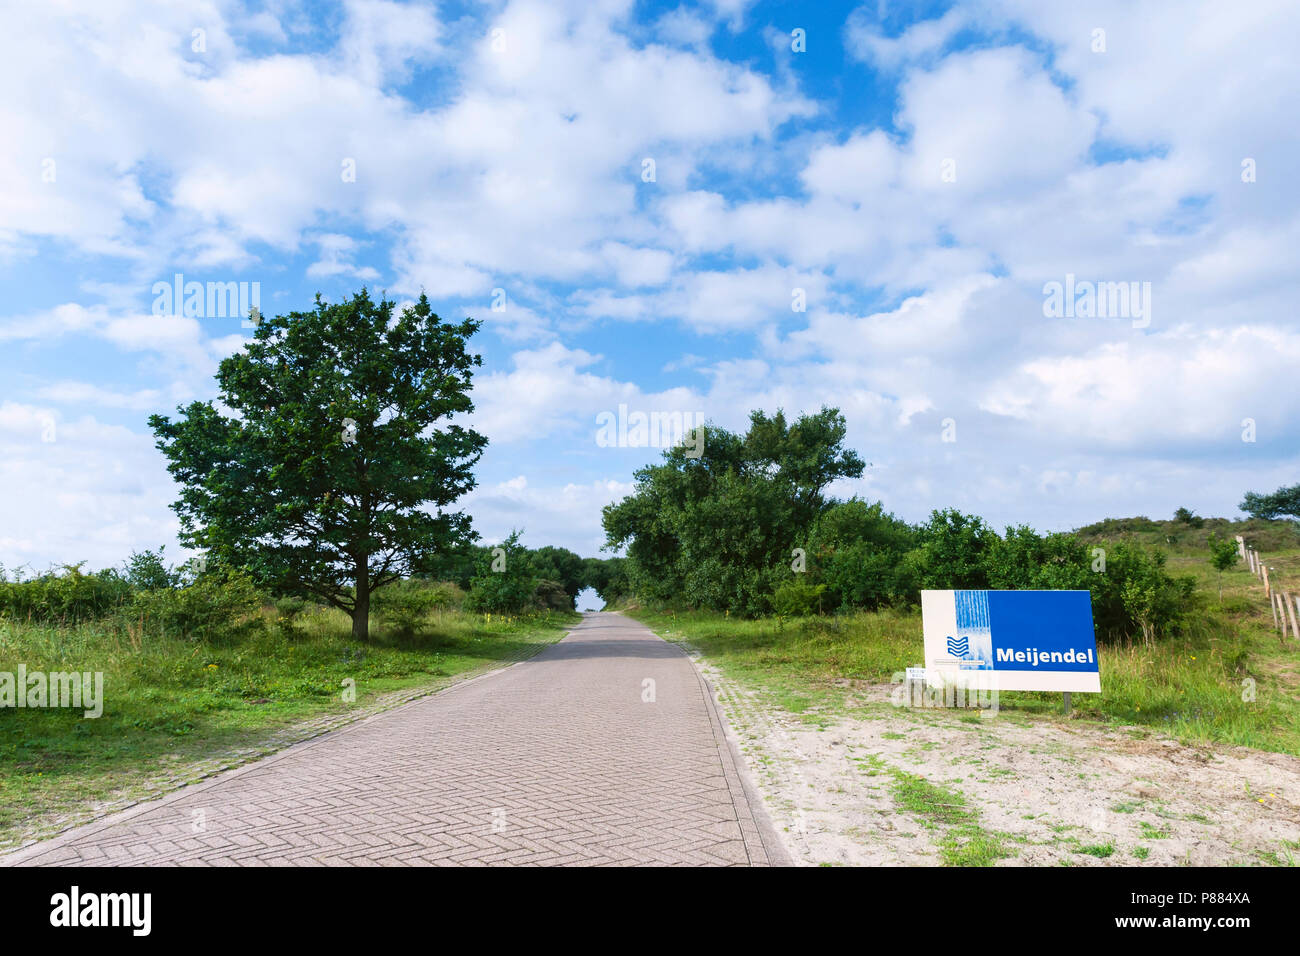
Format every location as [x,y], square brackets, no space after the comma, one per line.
[176,709]
[1228,679]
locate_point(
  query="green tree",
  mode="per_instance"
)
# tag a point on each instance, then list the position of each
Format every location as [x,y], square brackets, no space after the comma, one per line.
[1282,503]
[717,529]
[147,571]
[559,564]
[333,475]
[505,580]
[606,576]
[1223,555]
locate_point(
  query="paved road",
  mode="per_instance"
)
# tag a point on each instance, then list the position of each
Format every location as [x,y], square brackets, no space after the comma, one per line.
[556,760]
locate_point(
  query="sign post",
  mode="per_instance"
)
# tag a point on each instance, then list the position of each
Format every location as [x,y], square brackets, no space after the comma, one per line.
[1012,640]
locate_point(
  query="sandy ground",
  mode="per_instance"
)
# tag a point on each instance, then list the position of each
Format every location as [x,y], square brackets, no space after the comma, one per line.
[1050,789]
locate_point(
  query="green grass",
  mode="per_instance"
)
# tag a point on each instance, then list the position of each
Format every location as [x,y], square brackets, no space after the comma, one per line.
[958,835]
[1194,687]
[171,705]
[1099,850]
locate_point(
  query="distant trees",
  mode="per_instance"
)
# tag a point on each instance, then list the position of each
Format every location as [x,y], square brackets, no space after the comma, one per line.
[505,579]
[747,528]
[717,530]
[1283,503]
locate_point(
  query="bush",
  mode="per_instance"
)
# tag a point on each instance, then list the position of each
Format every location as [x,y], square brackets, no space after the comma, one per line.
[66,598]
[552,596]
[954,551]
[1135,595]
[146,571]
[856,549]
[407,604]
[217,606]
[504,583]
[856,558]
[798,598]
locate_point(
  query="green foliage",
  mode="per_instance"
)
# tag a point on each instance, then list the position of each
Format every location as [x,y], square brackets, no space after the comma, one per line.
[1285,502]
[505,581]
[797,598]
[551,596]
[857,551]
[406,605]
[333,476]
[67,597]
[146,571]
[1223,553]
[608,577]
[955,550]
[1188,517]
[562,565]
[219,606]
[723,532]
[718,530]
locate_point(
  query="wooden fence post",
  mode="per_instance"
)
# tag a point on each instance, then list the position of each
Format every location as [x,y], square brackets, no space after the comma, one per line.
[1288,602]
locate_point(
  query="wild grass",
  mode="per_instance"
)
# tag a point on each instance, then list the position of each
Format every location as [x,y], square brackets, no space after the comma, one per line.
[1226,679]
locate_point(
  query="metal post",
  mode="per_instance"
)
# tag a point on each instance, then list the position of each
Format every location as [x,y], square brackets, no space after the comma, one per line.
[1065,709]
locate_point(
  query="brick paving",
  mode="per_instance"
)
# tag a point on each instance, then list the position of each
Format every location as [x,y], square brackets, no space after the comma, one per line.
[568,758]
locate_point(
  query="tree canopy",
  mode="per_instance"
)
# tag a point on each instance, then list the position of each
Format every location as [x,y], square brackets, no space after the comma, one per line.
[335,469]
[1285,502]
[713,529]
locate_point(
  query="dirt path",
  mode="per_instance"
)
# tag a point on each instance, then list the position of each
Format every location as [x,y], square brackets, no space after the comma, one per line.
[1045,792]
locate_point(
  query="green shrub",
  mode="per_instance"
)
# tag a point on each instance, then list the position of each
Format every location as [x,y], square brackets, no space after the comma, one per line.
[505,582]
[217,606]
[798,598]
[66,598]
[146,571]
[552,596]
[407,604]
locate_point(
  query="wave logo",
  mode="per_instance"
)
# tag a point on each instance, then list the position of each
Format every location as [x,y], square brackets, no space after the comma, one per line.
[959,647]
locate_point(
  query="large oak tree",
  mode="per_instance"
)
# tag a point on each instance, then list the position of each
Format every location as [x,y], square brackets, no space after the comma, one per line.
[334,473]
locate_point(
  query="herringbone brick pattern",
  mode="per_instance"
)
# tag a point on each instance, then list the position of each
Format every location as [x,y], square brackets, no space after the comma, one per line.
[562,759]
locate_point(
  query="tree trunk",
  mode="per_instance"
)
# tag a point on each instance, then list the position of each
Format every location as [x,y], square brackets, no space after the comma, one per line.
[361,613]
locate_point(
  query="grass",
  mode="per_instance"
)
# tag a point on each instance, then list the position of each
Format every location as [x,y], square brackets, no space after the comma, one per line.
[1227,680]
[172,706]
[960,839]
[1099,850]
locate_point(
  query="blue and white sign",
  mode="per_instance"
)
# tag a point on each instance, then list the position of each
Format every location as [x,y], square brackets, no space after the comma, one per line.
[1012,640]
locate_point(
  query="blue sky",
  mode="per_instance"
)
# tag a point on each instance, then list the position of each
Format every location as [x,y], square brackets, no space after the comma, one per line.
[914,175]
